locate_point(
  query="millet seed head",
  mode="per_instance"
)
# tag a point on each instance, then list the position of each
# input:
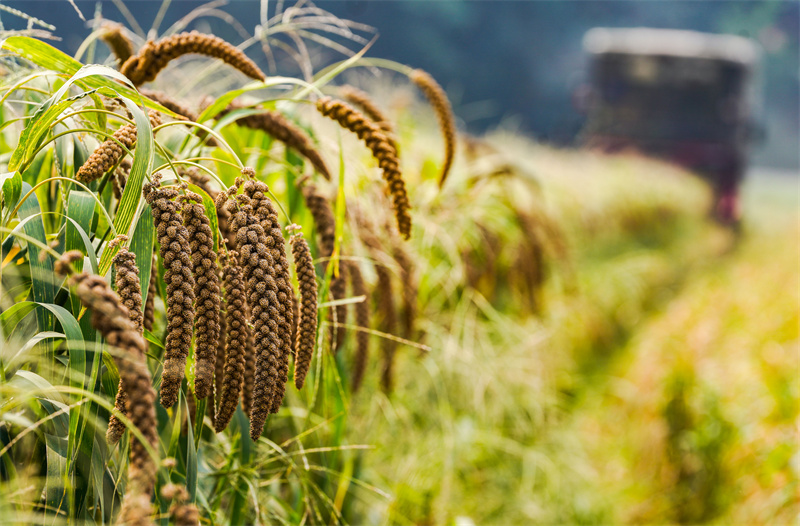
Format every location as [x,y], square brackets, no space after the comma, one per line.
[276,125]
[108,154]
[154,56]
[444,113]
[265,211]
[206,292]
[307,308]
[257,263]
[382,150]
[130,293]
[173,238]
[362,100]
[111,319]
[236,340]
[115,38]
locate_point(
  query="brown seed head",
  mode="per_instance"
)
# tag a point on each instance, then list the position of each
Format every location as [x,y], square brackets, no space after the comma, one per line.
[170,103]
[273,123]
[257,262]
[173,238]
[206,292]
[236,341]
[108,154]
[324,221]
[265,211]
[349,118]
[120,178]
[119,43]
[154,56]
[325,224]
[130,293]
[307,322]
[150,302]
[444,113]
[111,319]
[362,100]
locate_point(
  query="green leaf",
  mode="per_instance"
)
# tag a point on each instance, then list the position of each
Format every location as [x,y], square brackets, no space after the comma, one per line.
[12,316]
[131,199]
[12,363]
[55,488]
[38,127]
[43,287]
[12,190]
[80,211]
[142,247]
[211,212]
[223,100]
[48,57]
[152,338]
[191,451]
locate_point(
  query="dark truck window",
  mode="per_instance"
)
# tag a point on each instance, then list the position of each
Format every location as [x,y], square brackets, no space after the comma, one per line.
[666,98]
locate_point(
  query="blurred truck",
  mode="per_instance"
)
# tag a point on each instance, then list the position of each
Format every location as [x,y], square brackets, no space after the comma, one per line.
[683,96]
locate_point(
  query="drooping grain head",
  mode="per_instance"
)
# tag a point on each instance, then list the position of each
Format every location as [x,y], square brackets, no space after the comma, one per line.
[173,239]
[276,125]
[111,319]
[206,292]
[266,213]
[150,302]
[257,262]
[153,57]
[444,113]
[350,119]
[307,322]
[114,36]
[120,178]
[236,340]
[108,154]
[182,512]
[130,293]
[362,100]
[170,103]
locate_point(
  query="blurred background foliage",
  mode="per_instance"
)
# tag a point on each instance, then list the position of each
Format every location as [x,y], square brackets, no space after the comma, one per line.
[509,62]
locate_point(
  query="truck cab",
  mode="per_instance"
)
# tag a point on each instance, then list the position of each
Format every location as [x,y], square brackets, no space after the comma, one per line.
[683,96]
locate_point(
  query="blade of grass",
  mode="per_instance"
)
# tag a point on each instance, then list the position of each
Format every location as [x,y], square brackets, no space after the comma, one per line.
[43,289]
[142,247]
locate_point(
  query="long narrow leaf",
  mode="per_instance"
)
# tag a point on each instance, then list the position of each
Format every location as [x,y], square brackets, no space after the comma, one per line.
[43,288]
